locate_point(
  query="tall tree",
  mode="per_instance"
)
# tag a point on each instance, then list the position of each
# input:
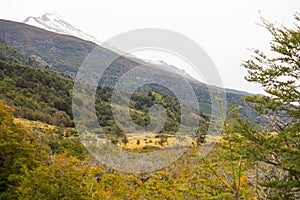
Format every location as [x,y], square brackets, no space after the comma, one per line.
[276,148]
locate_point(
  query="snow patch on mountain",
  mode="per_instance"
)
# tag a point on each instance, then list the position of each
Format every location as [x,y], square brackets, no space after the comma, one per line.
[55,23]
[170,68]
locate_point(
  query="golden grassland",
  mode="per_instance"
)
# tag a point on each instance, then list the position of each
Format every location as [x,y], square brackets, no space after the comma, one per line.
[43,127]
[135,141]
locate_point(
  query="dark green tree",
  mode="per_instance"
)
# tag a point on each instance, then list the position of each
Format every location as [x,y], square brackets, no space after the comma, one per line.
[277,148]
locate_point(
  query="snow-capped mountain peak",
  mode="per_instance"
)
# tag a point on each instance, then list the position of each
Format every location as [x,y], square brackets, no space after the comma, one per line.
[52,21]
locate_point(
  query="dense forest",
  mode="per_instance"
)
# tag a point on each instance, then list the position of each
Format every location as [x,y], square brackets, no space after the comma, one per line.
[42,156]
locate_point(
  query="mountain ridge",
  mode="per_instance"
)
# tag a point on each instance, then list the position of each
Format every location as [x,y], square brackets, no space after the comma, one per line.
[66,53]
[55,23]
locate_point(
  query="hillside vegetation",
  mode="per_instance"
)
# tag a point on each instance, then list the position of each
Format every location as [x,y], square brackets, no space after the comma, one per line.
[38,93]
[250,160]
[65,54]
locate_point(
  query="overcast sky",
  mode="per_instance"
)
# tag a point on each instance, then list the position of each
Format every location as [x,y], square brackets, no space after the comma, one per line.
[224,29]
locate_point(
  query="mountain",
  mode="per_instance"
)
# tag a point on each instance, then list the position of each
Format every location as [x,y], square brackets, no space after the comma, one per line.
[55,23]
[65,53]
[62,52]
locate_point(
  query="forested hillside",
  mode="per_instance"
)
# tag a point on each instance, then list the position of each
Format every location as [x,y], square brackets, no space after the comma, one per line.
[42,156]
[65,54]
[38,93]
